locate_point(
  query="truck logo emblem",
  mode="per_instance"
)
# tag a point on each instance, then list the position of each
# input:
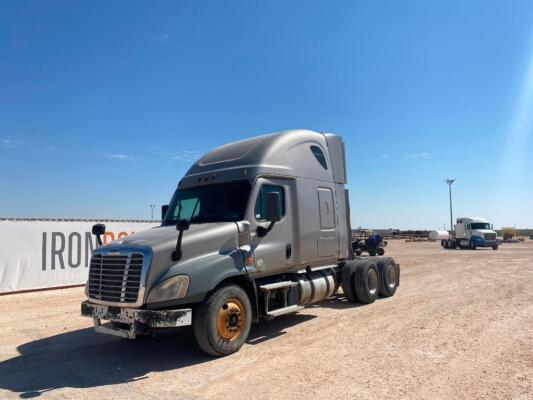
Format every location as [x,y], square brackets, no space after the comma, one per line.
[261,265]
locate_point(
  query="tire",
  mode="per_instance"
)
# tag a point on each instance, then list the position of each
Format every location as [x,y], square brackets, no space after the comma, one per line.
[494,247]
[347,280]
[389,276]
[450,244]
[357,252]
[381,251]
[366,279]
[222,321]
[472,245]
[444,243]
[372,252]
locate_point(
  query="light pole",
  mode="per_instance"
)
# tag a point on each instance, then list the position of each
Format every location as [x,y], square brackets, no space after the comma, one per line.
[449,182]
[152,206]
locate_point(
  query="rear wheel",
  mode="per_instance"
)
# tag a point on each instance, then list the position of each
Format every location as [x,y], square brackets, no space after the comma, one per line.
[494,247]
[381,251]
[366,279]
[347,280]
[444,243]
[389,276]
[222,322]
[372,252]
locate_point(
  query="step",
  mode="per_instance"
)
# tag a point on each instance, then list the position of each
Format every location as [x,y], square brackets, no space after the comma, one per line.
[284,310]
[278,285]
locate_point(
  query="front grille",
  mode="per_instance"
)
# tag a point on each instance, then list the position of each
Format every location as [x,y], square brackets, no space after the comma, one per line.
[490,236]
[115,278]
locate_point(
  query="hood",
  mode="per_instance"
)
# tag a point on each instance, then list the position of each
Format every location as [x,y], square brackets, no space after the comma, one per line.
[162,237]
[200,240]
[483,230]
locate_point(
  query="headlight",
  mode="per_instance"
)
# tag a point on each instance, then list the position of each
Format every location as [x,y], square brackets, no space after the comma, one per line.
[171,288]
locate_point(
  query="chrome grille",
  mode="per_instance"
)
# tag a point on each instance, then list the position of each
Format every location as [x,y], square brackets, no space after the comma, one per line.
[490,236]
[115,278]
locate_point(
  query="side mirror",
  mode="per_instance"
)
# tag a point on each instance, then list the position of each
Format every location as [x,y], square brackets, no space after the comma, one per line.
[164,210]
[183,225]
[98,230]
[272,212]
[272,207]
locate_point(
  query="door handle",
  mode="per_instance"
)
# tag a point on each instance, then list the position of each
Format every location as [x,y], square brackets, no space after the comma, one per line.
[288,251]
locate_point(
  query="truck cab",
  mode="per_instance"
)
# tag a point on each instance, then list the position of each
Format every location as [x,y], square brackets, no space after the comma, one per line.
[255,229]
[472,233]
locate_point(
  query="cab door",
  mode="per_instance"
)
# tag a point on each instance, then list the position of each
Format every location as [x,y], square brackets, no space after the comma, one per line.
[273,253]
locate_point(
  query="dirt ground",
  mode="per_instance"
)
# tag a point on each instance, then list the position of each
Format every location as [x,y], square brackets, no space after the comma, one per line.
[460,326]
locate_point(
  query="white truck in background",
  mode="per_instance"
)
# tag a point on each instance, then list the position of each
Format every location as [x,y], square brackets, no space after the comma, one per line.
[471,233]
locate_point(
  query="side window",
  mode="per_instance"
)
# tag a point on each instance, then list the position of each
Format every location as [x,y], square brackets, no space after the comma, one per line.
[188,208]
[259,211]
[319,155]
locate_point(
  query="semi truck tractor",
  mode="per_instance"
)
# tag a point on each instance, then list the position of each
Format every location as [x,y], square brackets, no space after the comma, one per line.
[471,233]
[255,229]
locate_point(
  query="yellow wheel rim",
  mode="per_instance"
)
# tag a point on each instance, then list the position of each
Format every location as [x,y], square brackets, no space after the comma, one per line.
[230,319]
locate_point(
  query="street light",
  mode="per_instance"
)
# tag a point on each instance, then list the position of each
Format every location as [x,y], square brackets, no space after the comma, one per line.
[449,182]
[152,206]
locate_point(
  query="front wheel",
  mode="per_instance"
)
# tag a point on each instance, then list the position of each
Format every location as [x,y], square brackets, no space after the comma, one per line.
[222,322]
[381,251]
[494,247]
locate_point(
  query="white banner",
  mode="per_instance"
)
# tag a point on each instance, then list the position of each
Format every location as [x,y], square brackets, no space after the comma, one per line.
[46,254]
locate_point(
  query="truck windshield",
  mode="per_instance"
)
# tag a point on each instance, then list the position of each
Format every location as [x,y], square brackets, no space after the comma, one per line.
[224,202]
[480,225]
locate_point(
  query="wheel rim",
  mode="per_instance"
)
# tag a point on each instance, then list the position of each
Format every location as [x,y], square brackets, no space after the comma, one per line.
[391,276]
[230,319]
[372,278]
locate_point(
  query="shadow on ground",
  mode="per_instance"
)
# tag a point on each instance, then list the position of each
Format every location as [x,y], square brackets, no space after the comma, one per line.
[338,302]
[85,359]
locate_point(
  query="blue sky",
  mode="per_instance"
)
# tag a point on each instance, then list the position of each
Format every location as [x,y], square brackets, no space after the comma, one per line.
[104,105]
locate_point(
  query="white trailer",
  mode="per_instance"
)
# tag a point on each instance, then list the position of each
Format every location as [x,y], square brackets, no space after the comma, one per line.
[433,236]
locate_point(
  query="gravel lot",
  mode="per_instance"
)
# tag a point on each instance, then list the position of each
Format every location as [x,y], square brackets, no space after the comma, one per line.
[460,326]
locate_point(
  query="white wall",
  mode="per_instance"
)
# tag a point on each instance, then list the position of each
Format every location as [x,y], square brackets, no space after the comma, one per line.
[46,254]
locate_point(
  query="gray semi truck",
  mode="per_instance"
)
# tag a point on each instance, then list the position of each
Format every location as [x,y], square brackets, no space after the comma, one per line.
[255,229]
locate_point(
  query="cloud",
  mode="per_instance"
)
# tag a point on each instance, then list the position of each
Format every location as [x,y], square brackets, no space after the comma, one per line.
[174,156]
[416,155]
[162,38]
[46,148]
[115,156]
[8,144]
[19,144]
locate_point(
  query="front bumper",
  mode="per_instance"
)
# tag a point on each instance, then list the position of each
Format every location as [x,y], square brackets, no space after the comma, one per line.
[130,322]
[489,243]
[485,243]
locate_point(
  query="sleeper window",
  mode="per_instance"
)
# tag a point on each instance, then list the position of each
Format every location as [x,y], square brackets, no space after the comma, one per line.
[319,155]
